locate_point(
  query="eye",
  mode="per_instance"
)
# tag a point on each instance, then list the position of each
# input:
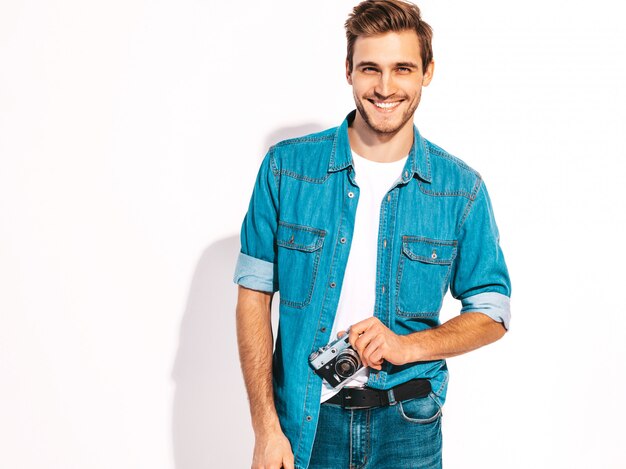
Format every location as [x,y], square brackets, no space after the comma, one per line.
[404,70]
[369,70]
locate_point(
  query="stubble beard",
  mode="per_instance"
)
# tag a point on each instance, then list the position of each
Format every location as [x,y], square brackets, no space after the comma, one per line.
[386,128]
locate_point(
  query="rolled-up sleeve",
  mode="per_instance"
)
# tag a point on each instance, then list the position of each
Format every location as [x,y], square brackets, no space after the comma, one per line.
[256,264]
[480,278]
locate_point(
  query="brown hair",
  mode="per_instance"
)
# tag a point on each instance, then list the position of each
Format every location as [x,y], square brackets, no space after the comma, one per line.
[372,17]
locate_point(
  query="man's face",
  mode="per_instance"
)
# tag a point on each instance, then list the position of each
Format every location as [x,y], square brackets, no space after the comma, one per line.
[387,79]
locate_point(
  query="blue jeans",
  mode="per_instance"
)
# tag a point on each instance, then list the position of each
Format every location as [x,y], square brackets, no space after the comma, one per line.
[405,435]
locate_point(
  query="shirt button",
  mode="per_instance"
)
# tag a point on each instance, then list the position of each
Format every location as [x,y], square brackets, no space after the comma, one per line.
[406,174]
[383,289]
[350,194]
[388,197]
[309,418]
[384,243]
[333,284]
[342,240]
[323,329]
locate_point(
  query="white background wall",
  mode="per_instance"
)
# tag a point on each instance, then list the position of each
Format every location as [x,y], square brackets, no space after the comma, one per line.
[130,135]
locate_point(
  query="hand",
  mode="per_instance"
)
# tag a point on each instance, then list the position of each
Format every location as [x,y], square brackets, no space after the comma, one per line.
[375,342]
[272,451]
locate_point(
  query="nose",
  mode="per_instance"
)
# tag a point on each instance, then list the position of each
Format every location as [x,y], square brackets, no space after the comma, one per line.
[385,86]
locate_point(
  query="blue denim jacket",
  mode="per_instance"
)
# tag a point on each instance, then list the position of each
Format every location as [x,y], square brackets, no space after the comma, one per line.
[437,231]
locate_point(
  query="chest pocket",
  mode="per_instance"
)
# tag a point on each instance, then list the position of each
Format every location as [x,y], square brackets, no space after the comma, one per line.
[299,250]
[423,275]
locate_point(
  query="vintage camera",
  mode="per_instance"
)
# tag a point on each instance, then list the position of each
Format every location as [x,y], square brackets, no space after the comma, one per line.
[336,362]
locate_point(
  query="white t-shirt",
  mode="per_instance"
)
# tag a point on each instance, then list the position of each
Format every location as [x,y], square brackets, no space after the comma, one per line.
[358,292]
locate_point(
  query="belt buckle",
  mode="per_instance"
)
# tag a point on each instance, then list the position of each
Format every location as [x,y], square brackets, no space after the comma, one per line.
[383,400]
[346,400]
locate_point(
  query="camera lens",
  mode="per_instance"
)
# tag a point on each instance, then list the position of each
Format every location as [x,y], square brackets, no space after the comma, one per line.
[347,363]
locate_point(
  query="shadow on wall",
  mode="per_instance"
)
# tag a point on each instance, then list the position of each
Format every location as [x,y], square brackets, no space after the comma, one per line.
[210,419]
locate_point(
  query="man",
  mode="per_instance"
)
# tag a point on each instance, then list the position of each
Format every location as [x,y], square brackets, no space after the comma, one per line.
[365,227]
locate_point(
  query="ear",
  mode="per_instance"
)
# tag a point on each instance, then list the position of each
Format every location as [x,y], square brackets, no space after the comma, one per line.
[348,72]
[428,74]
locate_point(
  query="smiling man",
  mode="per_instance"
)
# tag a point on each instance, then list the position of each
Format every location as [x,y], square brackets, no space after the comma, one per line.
[364,228]
[387,76]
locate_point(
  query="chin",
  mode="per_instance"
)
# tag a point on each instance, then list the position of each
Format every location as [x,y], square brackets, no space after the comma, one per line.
[385,126]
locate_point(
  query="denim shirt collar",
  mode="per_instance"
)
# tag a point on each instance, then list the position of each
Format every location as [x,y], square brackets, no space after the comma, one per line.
[418,161]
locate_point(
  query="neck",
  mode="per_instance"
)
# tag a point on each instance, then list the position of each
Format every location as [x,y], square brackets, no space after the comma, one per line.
[377,146]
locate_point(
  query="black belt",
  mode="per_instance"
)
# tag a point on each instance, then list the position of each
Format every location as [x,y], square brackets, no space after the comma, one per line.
[364,398]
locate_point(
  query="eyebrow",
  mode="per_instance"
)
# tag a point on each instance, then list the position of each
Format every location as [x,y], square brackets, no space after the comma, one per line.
[399,64]
[407,64]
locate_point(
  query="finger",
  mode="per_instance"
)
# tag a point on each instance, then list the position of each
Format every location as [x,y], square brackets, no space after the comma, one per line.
[373,352]
[361,334]
[377,360]
[353,336]
[288,462]
[360,344]
[340,334]
[361,326]
[364,339]
[373,345]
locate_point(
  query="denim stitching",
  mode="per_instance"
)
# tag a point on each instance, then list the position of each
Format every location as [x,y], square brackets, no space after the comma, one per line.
[351,419]
[428,260]
[438,242]
[317,246]
[299,177]
[366,446]
[416,314]
[303,423]
[393,207]
[305,139]
[398,280]
[302,304]
[426,158]
[420,421]
[444,154]
[303,228]
[274,167]
[300,247]
[422,314]
[470,204]
[382,224]
[443,384]
[331,163]
[459,193]
[437,150]
[400,312]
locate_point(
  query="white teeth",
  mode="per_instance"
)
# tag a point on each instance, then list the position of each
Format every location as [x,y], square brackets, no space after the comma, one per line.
[386,105]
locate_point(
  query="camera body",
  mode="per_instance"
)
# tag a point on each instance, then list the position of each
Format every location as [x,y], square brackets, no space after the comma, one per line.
[336,362]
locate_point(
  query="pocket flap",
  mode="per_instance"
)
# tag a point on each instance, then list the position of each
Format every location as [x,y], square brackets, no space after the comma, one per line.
[431,251]
[299,237]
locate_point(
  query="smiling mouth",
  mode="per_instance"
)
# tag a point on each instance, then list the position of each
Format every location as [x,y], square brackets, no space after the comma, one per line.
[385,106]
